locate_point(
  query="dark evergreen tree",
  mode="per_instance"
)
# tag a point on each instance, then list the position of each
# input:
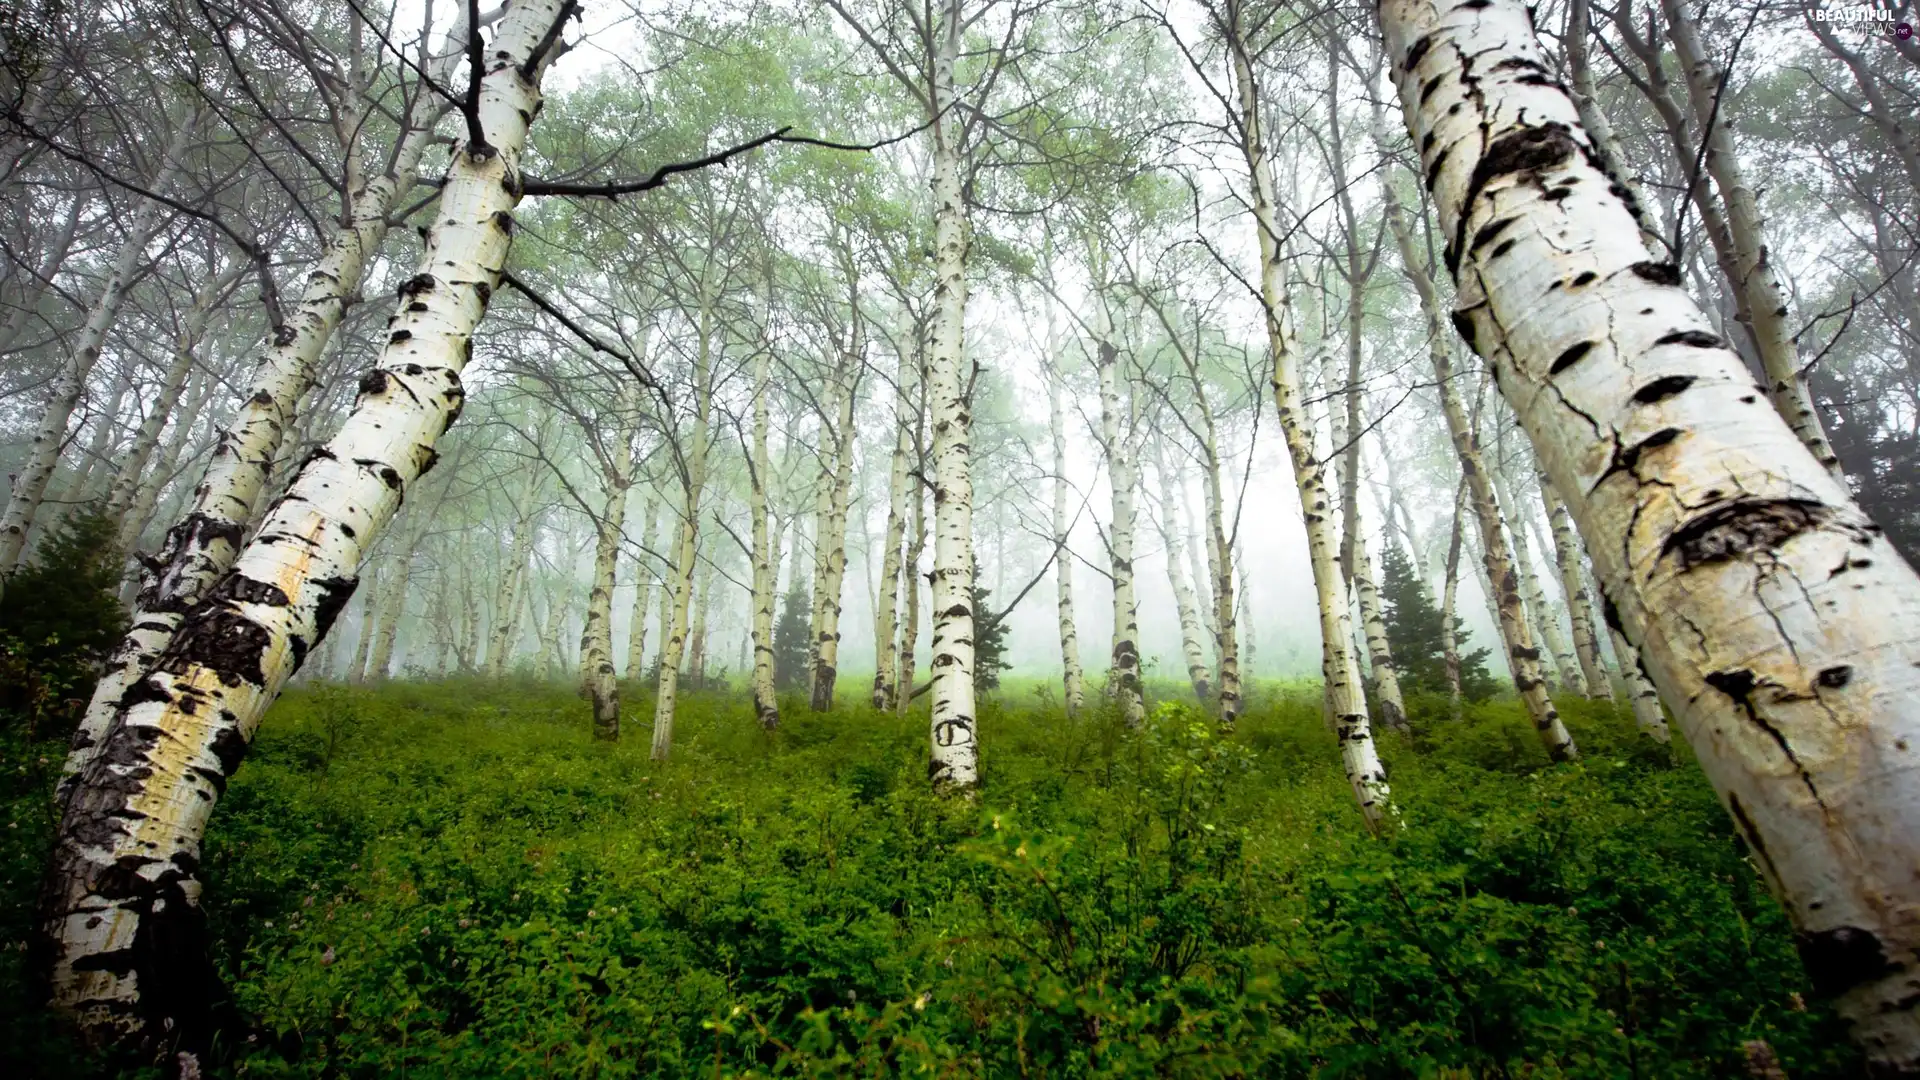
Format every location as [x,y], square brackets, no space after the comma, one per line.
[989,638]
[1415,632]
[59,619]
[790,639]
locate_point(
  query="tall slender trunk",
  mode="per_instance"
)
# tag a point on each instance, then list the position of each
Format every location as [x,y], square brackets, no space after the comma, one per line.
[674,607]
[766,565]
[1345,695]
[1185,605]
[834,539]
[1542,615]
[1640,690]
[547,659]
[369,610]
[393,606]
[1229,652]
[697,636]
[43,454]
[1753,269]
[121,908]
[1503,581]
[94,467]
[1764,604]
[140,513]
[1116,437]
[204,543]
[1450,592]
[1573,585]
[58,245]
[954,754]
[642,593]
[910,578]
[1586,99]
[887,609]
[597,673]
[513,577]
[1073,679]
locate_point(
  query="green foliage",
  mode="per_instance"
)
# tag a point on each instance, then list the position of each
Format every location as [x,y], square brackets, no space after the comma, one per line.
[1416,634]
[451,879]
[790,639]
[59,619]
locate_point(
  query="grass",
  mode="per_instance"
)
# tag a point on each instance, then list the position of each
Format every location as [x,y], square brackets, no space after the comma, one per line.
[450,879]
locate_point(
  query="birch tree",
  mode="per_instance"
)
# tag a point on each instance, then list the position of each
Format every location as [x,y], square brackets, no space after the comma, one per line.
[1754,589]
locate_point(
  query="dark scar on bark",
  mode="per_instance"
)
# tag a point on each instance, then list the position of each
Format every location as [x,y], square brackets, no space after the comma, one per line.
[1660,273]
[1835,677]
[1699,339]
[333,594]
[1734,529]
[374,382]
[1526,150]
[415,285]
[1417,50]
[1662,388]
[1463,325]
[1570,357]
[1842,958]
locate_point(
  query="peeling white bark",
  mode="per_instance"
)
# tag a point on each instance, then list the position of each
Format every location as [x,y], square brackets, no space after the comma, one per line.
[886,665]
[1184,603]
[1073,678]
[1116,438]
[122,914]
[830,541]
[1764,604]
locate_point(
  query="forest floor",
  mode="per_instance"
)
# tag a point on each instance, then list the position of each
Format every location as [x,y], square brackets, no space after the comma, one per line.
[450,879]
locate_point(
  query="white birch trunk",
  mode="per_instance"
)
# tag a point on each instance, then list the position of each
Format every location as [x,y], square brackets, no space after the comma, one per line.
[766,563]
[1184,602]
[204,543]
[1762,601]
[1450,592]
[954,758]
[1073,678]
[1573,585]
[393,606]
[1542,616]
[679,597]
[1344,693]
[1502,587]
[121,916]
[513,577]
[887,610]
[597,673]
[642,594]
[140,512]
[369,611]
[1116,437]
[833,541]
[1766,301]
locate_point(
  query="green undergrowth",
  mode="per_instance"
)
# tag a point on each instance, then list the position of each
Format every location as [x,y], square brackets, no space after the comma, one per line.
[451,879]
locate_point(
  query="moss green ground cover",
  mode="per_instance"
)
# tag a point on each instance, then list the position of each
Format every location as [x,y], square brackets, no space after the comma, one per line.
[449,879]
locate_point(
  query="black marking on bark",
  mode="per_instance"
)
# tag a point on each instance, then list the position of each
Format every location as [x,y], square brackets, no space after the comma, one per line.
[1585,277]
[1463,325]
[484,291]
[1630,457]
[1476,5]
[1733,529]
[391,478]
[1842,958]
[1505,246]
[415,285]
[223,641]
[417,305]
[346,530]
[433,458]
[1750,834]
[1699,339]
[1426,141]
[144,691]
[283,335]
[260,398]
[1525,150]
[1835,677]
[503,221]
[334,592]
[1611,614]
[1662,388]
[1489,232]
[412,369]
[1660,273]
[399,336]
[1558,194]
[1427,88]
[297,645]
[1518,63]
[1433,174]
[1570,357]
[1417,50]
[241,589]
[374,382]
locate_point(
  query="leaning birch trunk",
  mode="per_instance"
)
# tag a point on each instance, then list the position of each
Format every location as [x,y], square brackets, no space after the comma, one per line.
[1345,695]
[1586,99]
[93,470]
[887,610]
[43,454]
[1496,559]
[1573,585]
[1123,675]
[203,544]
[833,581]
[141,512]
[546,662]
[1541,614]
[1184,602]
[766,566]
[1393,708]
[121,910]
[1641,691]
[954,754]
[642,593]
[1764,604]
[1766,300]
[173,383]
[679,597]
[506,598]
[1073,678]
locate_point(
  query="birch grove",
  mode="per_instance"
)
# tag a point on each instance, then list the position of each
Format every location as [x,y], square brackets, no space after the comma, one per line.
[1488,367]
